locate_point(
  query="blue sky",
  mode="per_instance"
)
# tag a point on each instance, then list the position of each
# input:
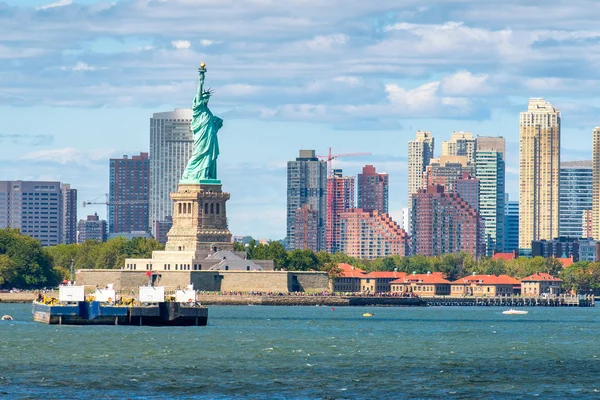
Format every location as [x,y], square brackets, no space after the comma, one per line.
[79,81]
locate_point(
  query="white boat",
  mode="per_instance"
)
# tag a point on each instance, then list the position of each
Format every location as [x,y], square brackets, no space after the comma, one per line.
[512,311]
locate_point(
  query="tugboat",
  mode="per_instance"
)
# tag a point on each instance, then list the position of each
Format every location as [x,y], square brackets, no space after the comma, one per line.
[105,307]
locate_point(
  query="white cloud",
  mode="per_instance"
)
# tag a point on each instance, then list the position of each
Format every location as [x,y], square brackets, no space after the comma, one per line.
[206,42]
[326,42]
[59,3]
[68,155]
[464,83]
[348,80]
[181,44]
[80,66]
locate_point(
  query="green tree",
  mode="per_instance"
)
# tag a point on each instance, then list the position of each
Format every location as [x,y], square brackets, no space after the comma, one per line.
[277,253]
[24,262]
[303,260]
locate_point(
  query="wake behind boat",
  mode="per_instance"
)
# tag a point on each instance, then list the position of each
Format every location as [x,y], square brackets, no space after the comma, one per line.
[512,311]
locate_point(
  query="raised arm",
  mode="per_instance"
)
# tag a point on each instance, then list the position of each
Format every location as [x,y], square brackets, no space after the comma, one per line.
[201,71]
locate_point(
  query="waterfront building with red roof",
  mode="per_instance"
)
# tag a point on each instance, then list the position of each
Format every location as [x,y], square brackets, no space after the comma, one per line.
[540,283]
[379,281]
[349,279]
[429,284]
[485,286]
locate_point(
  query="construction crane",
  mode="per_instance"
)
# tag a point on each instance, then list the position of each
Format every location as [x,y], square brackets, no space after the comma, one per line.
[330,157]
[111,203]
[332,213]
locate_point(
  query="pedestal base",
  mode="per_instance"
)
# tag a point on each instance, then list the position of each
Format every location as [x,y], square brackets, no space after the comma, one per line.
[199,219]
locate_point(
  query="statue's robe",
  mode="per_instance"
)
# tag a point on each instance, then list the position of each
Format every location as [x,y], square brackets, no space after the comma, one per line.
[203,162]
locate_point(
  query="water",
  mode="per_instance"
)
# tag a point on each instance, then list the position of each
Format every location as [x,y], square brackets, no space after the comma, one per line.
[309,352]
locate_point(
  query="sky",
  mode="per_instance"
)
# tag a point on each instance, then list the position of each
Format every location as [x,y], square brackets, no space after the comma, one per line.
[80,80]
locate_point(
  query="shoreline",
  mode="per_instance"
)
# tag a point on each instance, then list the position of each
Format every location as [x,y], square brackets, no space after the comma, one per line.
[343,301]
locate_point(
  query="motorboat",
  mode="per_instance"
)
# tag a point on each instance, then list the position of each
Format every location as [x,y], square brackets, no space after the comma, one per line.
[367,314]
[512,311]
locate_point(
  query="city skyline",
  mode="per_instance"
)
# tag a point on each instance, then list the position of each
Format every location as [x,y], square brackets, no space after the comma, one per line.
[326,85]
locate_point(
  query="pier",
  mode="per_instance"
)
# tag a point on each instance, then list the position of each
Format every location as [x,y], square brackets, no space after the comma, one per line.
[511,301]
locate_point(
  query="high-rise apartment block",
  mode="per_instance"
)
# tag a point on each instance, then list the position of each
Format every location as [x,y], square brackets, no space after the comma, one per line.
[306,184]
[490,171]
[340,198]
[306,228]
[129,192]
[92,228]
[446,170]
[171,143]
[69,214]
[373,190]
[467,187]
[511,225]
[596,183]
[460,144]
[444,223]
[420,152]
[576,197]
[539,166]
[369,235]
[38,209]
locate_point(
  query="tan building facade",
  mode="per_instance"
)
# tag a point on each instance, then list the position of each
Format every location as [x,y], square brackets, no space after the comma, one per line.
[540,284]
[424,285]
[460,144]
[420,152]
[379,281]
[349,279]
[539,172]
[484,286]
[596,183]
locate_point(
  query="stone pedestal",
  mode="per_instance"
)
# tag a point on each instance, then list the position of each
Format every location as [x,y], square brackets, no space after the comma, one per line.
[199,220]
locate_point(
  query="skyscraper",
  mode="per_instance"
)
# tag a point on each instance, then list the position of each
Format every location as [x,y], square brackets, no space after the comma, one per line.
[340,198]
[369,235]
[129,190]
[446,170]
[575,196]
[92,228]
[373,189]
[35,208]
[306,228]
[539,167]
[171,142]
[306,184]
[596,183]
[490,170]
[511,225]
[420,152]
[460,144]
[444,223]
[69,214]
[467,187]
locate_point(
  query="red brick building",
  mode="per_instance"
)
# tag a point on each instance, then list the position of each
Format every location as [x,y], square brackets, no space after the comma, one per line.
[444,223]
[340,198]
[373,190]
[306,223]
[369,235]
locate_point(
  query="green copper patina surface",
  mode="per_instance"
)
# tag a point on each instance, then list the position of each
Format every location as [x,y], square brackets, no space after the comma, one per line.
[202,166]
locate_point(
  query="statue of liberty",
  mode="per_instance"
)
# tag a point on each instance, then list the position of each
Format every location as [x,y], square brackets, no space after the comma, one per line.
[202,166]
